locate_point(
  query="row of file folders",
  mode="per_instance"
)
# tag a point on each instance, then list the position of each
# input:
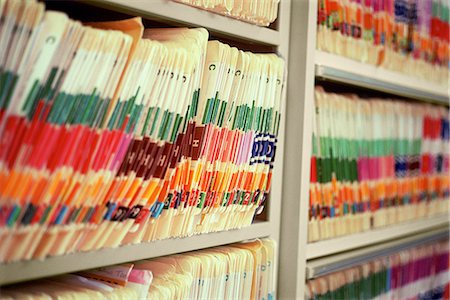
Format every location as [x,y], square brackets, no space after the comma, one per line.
[408,36]
[376,162]
[417,273]
[114,134]
[237,271]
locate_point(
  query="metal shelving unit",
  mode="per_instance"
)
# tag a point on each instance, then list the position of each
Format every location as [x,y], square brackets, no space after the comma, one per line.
[305,65]
[287,218]
[176,14]
[341,69]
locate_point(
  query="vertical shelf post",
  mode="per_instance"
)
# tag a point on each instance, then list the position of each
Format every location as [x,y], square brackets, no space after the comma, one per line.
[297,150]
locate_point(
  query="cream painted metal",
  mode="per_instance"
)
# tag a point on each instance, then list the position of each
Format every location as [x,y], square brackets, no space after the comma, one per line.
[170,11]
[389,233]
[300,97]
[165,11]
[28,270]
[341,69]
[328,264]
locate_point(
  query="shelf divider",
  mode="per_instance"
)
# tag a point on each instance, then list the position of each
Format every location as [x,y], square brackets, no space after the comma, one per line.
[371,237]
[326,265]
[28,270]
[341,69]
[167,10]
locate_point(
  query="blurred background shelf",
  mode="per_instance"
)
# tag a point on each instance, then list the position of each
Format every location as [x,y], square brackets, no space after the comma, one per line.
[323,266]
[341,69]
[372,237]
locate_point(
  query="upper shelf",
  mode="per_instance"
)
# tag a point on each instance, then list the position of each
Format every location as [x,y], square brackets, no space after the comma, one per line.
[28,270]
[337,68]
[363,239]
[323,266]
[167,10]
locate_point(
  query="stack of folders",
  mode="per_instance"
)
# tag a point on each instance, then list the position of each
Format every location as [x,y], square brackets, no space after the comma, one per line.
[260,12]
[111,134]
[409,36]
[376,162]
[418,273]
[237,271]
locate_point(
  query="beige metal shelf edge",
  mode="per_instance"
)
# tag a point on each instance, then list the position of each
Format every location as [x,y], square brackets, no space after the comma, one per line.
[325,265]
[28,270]
[167,10]
[341,69]
[354,241]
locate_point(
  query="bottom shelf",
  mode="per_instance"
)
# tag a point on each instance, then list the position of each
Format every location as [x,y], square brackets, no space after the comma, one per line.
[371,237]
[28,270]
[326,265]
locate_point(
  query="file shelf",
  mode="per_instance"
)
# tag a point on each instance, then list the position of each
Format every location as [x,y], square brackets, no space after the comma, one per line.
[341,69]
[174,15]
[181,14]
[389,233]
[307,64]
[28,270]
[326,265]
